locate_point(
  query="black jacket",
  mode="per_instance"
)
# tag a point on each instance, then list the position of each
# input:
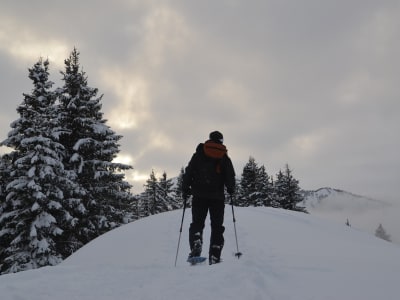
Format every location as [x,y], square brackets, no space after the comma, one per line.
[209,171]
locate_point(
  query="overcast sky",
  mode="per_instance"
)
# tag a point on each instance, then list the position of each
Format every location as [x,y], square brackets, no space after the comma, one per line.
[312,83]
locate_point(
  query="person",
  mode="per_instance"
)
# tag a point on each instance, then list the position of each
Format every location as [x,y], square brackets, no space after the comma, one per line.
[206,176]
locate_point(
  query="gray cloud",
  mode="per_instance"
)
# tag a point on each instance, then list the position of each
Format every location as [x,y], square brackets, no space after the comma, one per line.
[312,84]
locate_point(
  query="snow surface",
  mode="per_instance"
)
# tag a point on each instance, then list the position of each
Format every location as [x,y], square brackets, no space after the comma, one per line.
[286,255]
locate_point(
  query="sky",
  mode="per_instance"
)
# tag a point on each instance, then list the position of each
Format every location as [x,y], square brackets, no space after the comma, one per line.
[313,84]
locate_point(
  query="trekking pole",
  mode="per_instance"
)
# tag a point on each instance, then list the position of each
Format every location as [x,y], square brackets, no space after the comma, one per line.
[180,230]
[238,254]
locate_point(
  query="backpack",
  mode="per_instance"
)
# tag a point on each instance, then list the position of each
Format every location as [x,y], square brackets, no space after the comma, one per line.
[207,174]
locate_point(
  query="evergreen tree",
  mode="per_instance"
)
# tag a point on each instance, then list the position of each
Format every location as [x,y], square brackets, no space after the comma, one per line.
[33,217]
[265,188]
[141,207]
[150,195]
[178,189]
[235,198]
[274,196]
[166,200]
[280,191]
[90,147]
[381,233]
[287,190]
[4,174]
[158,196]
[135,207]
[249,193]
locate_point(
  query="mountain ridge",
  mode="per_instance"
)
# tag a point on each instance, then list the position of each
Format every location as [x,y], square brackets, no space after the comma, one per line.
[310,196]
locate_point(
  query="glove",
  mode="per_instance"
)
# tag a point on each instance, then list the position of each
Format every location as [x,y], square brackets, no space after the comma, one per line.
[186,193]
[231,191]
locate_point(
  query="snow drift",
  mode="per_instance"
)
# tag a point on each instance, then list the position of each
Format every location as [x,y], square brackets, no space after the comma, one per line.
[287,255]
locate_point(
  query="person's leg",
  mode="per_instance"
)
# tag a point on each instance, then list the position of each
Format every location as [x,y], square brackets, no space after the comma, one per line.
[199,214]
[217,208]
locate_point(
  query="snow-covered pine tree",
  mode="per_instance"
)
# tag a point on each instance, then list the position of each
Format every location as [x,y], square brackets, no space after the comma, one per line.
[167,200]
[150,196]
[158,196]
[90,148]
[249,193]
[287,190]
[265,188]
[4,174]
[280,191]
[235,199]
[178,189]
[134,208]
[382,234]
[274,197]
[2,197]
[33,217]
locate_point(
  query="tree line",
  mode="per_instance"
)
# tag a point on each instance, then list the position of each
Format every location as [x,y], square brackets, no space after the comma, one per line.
[59,186]
[254,188]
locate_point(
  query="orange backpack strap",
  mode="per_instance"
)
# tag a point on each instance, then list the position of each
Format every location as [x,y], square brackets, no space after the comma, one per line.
[214,150]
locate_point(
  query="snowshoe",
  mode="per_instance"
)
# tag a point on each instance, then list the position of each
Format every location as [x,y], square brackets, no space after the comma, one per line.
[194,260]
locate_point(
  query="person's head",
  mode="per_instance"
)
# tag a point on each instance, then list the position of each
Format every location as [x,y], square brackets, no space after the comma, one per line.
[217,137]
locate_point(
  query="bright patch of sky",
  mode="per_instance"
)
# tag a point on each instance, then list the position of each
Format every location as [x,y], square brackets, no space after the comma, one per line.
[312,84]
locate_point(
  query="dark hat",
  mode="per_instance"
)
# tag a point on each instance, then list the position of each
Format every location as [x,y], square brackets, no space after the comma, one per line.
[217,137]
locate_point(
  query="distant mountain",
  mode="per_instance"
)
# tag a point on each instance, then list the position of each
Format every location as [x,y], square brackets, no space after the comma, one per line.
[330,200]
[362,212]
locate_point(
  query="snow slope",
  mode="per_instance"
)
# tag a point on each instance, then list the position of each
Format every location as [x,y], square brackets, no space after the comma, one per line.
[362,212]
[286,255]
[328,199]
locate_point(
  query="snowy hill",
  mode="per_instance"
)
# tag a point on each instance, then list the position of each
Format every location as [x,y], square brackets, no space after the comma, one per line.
[328,199]
[286,255]
[363,213]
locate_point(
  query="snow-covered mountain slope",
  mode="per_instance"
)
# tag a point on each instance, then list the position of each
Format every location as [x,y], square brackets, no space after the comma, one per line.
[362,212]
[328,199]
[286,255]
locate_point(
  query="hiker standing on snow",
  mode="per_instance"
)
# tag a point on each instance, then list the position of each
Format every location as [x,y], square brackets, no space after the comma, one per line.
[209,171]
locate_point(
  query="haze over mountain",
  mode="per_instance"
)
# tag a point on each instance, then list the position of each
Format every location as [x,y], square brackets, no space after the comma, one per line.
[362,212]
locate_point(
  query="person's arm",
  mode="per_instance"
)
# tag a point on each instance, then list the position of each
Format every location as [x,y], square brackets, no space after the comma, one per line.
[230,181]
[187,179]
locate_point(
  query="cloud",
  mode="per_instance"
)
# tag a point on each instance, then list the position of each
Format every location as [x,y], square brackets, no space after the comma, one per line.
[312,84]
[132,95]
[166,34]
[20,42]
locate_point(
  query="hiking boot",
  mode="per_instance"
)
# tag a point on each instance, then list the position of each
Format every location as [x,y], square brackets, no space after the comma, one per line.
[214,260]
[215,250]
[197,247]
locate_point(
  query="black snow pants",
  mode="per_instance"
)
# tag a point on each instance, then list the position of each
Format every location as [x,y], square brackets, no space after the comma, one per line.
[200,208]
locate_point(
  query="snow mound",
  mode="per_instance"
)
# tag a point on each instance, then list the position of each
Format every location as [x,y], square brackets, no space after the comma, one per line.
[286,255]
